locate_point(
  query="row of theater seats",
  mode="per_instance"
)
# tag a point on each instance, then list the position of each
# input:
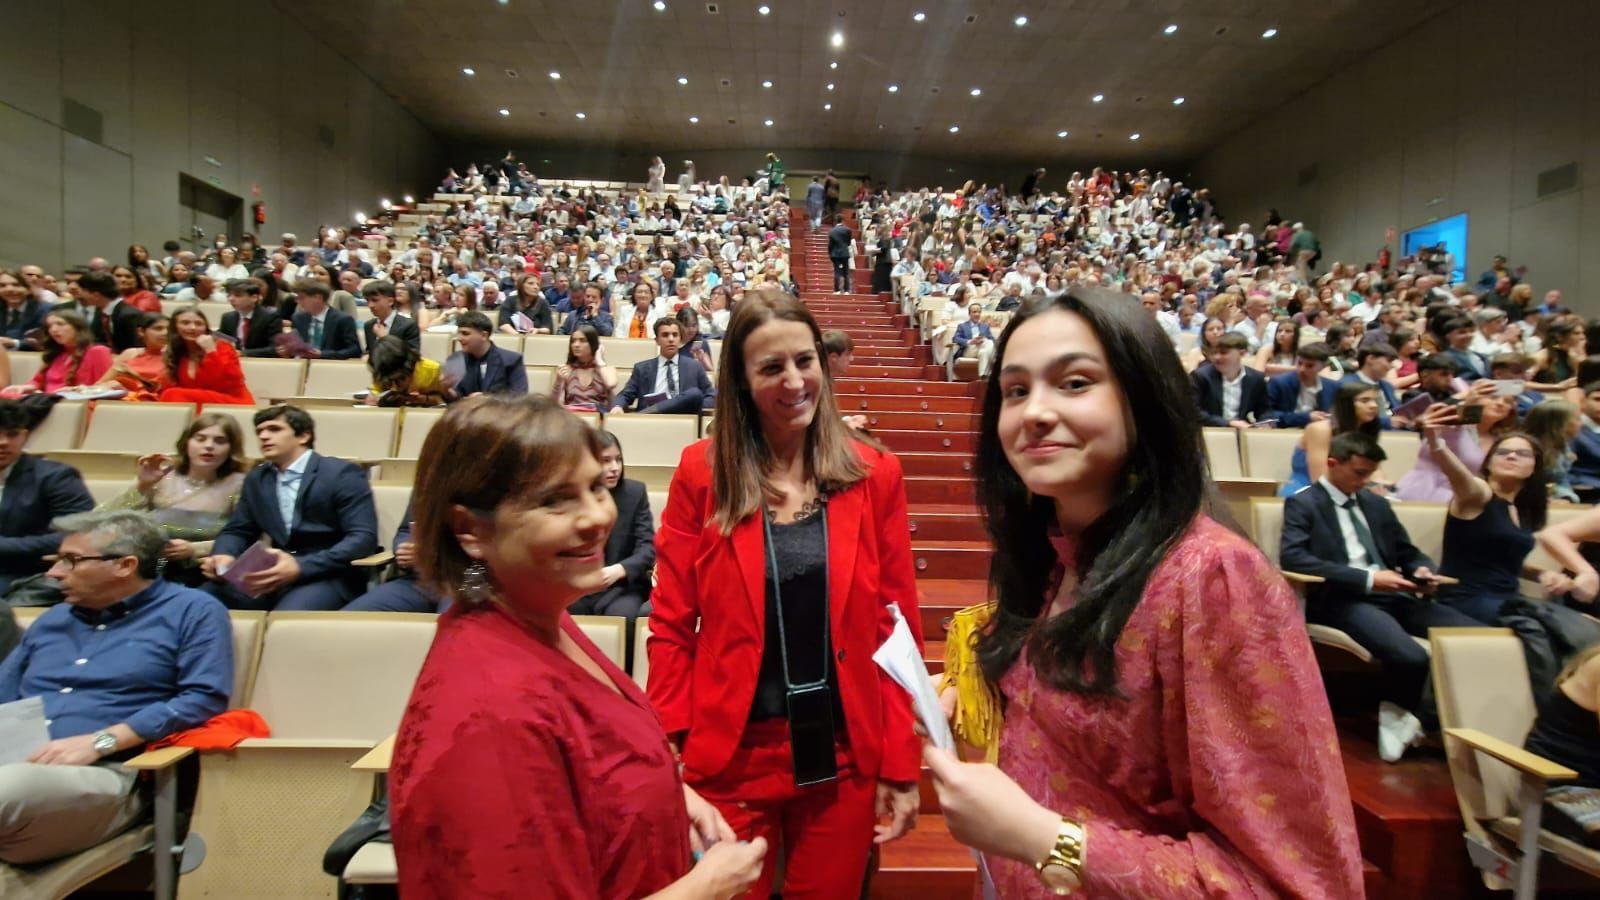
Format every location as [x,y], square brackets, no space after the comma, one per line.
[267,809]
[1267,453]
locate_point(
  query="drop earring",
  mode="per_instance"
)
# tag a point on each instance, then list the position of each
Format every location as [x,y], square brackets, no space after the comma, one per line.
[475,584]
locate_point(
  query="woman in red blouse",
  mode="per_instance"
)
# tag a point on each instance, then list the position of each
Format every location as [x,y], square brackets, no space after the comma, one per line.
[528,764]
[201,368]
[1165,731]
[782,545]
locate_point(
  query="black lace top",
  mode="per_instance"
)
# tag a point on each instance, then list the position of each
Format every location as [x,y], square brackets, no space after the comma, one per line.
[800,550]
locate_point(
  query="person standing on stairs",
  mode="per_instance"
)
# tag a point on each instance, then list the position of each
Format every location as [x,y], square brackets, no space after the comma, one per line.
[841,252]
[784,540]
[1166,734]
[814,200]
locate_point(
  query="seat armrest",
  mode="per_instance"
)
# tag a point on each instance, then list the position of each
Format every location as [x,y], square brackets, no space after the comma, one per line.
[304,744]
[377,760]
[381,558]
[151,760]
[1301,578]
[1512,755]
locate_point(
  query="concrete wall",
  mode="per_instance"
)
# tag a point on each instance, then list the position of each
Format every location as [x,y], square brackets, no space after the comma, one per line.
[1459,116]
[180,84]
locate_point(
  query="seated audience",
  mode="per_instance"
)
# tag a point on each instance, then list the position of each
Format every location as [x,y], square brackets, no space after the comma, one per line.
[164,664]
[1567,731]
[33,491]
[692,343]
[1228,393]
[1427,479]
[525,310]
[201,368]
[1211,331]
[1354,409]
[1436,377]
[630,550]
[1373,362]
[386,320]
[974,339]
[401,593]
[142,371]
[330,333]
[1575,546]
[1295,398]
[480,367]
[252,324]
[191,494]
[1553,424]
[316,511]
[1458,334]
[590,313]
[1586,446]
[1376,582]
[669,383]
[201,289]
[21,313]
[134,289]
[584,383]
[71,358]
[840,349]
[1281,354]
[1495,509]
[645,311]
[402,377]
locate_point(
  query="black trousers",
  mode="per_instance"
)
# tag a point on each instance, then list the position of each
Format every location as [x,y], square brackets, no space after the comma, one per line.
[841,273]
[1385,624]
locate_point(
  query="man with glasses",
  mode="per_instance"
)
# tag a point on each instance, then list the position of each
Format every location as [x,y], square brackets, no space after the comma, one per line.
[129,658]
[33,491]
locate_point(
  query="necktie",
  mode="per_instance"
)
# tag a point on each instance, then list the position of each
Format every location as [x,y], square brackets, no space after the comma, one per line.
[379,329]
[1363,535]
[672,378]
[316,333]
[244,329]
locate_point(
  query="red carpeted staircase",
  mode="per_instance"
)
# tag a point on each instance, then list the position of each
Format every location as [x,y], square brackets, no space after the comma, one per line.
[931,425]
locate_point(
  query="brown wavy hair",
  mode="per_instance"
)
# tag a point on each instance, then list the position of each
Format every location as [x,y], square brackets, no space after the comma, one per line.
[739,453]
[82,340]
[230,430]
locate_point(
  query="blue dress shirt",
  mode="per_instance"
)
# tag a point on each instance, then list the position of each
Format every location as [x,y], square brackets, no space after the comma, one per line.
[160,661]
[289,480]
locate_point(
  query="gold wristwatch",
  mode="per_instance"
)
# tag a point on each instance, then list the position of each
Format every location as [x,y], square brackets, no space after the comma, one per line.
[1062,870]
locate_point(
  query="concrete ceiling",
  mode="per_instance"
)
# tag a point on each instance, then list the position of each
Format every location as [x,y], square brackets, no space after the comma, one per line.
[620,62]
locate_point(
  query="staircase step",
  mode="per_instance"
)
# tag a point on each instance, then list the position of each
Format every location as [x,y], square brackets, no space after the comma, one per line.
[888,371]
[940,423]
[880,403]
[951,559]
[926,441]
[939,597]
[943,463]
[927,864]
[905,387]
[950,491]
[947,522]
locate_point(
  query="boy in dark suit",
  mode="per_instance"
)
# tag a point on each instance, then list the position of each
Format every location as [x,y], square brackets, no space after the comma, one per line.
[1296,399]
[254,327]
[331,333]
[1228,393]
[483,368]
[317,512]
[35,491]
[385,321]
[670,383]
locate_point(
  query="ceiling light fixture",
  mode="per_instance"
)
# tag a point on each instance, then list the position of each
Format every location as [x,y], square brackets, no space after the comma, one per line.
[918,16]
[361,218]
[555,75]
[976,92]
[505,112]
[833,65]
[1134,136]
[1020,21]
[469,71]
[385,203]
[1170,29]
[694,120]
[1098,97]
[827,106]
[766,84]
[953,128]
[682,79]
[838,39]
[410,199]
[1177,101]
[1060,134]
[894,88]
[582,116]
[660,6]
[764,10]
[1269,33]
[767,123]
[830,85]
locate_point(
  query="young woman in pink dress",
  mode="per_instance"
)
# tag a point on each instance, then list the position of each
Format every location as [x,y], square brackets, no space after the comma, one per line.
[1165,731]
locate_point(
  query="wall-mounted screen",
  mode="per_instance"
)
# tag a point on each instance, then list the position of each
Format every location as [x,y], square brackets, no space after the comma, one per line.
[1451,233]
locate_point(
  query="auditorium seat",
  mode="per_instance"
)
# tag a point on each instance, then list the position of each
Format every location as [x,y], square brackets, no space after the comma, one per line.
[270,379]
[357,433]
[1486,709]
[1222,451]
[135,428]
[414,427]
[641,659]
[104,489]
[61,429]
[512,342]
[245,417]
[551,349]
[336,378]
[1400,449]
[653,440]
[248,628]
[24,365]
[436,345]
[1268,452]
[541,380]
[608,633]
[331,686]
[625,353]
[390,501]
[658,502]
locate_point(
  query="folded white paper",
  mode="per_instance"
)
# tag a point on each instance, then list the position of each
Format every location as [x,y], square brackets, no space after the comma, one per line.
[22,729]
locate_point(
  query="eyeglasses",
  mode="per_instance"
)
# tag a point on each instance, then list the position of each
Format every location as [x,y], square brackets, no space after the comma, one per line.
[1514,452]
[71,560]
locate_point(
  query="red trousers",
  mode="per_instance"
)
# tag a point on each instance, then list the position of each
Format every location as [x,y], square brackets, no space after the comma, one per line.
[823,832]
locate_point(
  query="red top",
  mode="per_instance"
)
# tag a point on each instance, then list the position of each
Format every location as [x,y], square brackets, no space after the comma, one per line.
[218,379]
[517,774]
[708,617]
[1217,772]
[145,301]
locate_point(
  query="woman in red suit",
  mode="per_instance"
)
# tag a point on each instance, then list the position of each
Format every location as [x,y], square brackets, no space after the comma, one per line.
[201,368]
[783,542]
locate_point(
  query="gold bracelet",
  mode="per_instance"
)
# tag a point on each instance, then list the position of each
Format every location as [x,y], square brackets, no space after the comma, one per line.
[1061,870]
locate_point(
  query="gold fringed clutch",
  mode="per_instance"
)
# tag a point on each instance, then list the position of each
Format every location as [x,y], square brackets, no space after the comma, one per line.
[977,717]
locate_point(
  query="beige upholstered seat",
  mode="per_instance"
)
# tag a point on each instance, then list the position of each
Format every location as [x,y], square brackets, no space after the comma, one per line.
[136,427]
[336,378]
[541,380]
[244,416]
[1400,449]
[1268,452]
[26,614]
[61,430]
[437,345]
[372,864]
[1486,710]
[414,427]
[512,342]
[332,685]
[550,349]
[357,433]
[641,659]
[273,379]
[103,489]
[652,440]
[1222,451]
[625,353]
[608,633]
[25,365]
[390,500]
[249,626]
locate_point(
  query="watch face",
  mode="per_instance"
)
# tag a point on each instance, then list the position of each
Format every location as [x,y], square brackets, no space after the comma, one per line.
[104,743]
[1059,879]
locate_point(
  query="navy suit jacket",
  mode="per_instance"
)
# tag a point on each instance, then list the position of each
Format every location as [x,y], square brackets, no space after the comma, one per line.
[1313,544]
[265,326]
[601,322]
[403,327]
[339,339]
[1208,395]
[968,330]
[334,524]
[504,373]
[1283,395]
[1390,396]
[36,491]
[642,382]
[1586,467]
[632,544]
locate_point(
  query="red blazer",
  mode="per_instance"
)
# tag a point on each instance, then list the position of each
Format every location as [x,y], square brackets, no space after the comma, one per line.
[708,617]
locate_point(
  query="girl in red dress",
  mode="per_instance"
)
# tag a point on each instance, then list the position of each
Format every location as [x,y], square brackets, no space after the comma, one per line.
[1165,730]
[201,368]
[527,764]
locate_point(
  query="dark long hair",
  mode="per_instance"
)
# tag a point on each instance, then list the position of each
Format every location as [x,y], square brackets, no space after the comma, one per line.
[1532,502]
[1160,490]
[178,350]
[1343,416]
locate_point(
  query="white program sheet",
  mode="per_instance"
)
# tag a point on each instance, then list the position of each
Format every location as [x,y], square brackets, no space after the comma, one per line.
[22,729]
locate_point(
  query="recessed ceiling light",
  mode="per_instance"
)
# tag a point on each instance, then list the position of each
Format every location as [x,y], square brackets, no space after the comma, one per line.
[953,128]
[555,75]
[918,16]
[893,88]
[682,79]
[838,39]
[1020,21]
[660,6]
[694,120]
[766,84]
[1098,97]
[1270,33]
[1177,101]
[830,85]
[1134,136]
[582,116]
[410,199]
[977,92]
[505,112]
[361,218]
[764,10]
[385,203]
[833,65]
[1170,29]
[1061,134]
[827,106]
[767,123]
[469,71]
[505,2]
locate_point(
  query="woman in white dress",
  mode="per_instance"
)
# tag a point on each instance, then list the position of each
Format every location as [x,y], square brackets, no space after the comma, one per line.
[658,175]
